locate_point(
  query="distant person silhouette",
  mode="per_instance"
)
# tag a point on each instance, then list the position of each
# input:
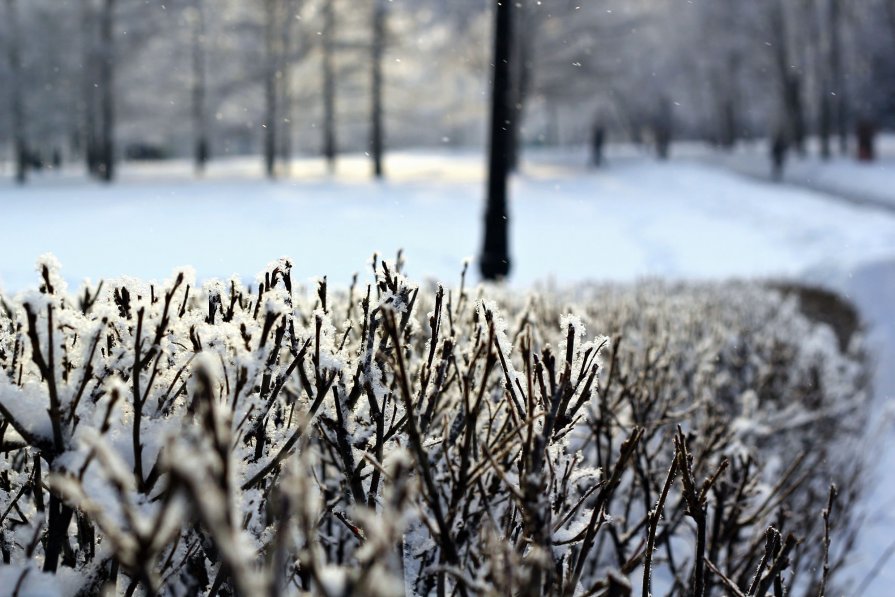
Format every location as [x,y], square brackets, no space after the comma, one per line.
[778,156]
[865,133]
[598,136]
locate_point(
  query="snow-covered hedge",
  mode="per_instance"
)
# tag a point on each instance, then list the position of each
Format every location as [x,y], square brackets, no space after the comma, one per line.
[180,440]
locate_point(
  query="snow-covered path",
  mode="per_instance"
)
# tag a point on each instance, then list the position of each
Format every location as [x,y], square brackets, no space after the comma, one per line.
[842,176]
[683,219]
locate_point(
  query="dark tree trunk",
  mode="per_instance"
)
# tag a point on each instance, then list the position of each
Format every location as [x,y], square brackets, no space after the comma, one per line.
[200,119]
[723,73]
[376,116]
[90,143]
[662,128]
[825,127]
[107,84]
[796,112]
[290,8]
[789,80]
[495,260]
[553,129]
[840,99]
[329,86]
[825,113]
[270,88]
[17,108]
[727,126]
[520,75]
[728,123]
[597,139]
[726,85]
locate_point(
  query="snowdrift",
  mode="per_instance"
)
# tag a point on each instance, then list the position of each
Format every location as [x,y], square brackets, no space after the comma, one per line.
[396,439]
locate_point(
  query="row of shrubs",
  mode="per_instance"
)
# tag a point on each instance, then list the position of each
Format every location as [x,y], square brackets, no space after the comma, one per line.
[395,439]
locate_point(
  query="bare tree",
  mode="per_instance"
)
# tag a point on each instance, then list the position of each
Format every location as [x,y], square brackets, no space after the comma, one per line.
[523,44]
[840,100]
[822,31]
[376,116]
[570,58]
[789,78]
[495,259]
[107,98]
[89,143]
[199,110]
[17,108]
[329,85]
[727,103]
[663,123]
[271,67]
[724,65]
[291,9]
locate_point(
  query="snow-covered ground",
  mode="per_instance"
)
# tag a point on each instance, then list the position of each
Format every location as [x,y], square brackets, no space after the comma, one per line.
[685,219]
[635,218]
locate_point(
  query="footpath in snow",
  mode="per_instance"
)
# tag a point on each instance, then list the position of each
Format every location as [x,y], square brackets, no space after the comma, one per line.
[841,177]
[635,218]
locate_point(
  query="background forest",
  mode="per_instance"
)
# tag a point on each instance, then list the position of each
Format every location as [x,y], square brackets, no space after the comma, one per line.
[208,78]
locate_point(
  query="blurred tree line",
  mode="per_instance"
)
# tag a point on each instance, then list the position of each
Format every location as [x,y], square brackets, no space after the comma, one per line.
[98,81]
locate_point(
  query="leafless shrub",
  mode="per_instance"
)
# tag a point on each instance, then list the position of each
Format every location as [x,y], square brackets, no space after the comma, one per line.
[265,440]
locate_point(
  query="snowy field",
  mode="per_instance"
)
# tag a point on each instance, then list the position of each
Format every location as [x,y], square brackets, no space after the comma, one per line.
[635,218]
